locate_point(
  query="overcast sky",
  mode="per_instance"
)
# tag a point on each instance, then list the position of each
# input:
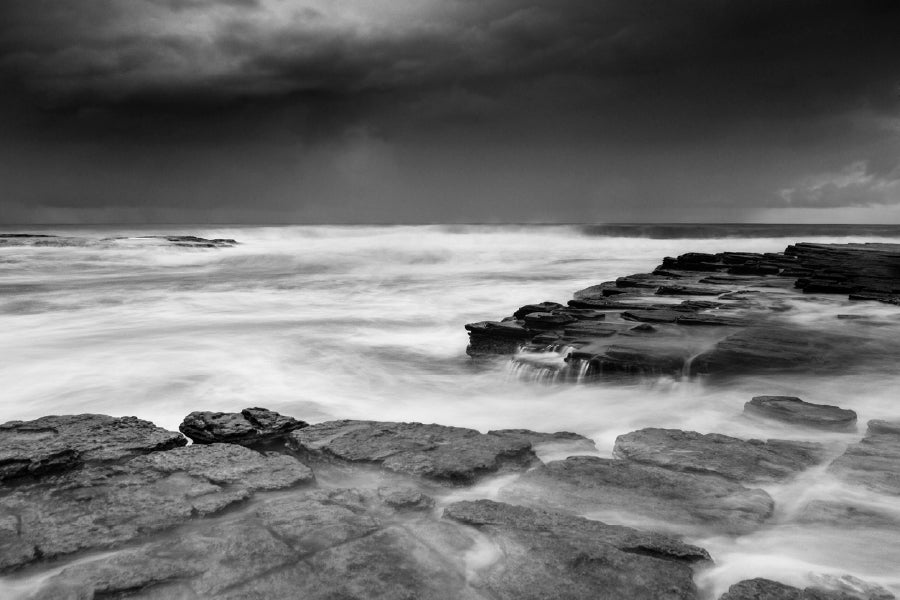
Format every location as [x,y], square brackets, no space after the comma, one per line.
[449,110]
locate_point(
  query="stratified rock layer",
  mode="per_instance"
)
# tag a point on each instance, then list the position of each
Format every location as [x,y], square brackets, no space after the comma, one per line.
[729,321]
[59,443]
[791,409]
[716,454]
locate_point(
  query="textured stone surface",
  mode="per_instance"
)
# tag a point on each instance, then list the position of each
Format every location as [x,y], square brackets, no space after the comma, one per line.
[449,454]
[874,462]
[656,496]
[791,409]
[248,427]
[713,453]
[556,556]
[61,442]
[766,589]
[102,505]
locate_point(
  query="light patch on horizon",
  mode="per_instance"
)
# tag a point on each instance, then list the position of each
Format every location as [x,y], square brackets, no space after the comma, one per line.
[854,185]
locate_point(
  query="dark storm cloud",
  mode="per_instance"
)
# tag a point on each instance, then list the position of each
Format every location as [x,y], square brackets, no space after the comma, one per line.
[714,103]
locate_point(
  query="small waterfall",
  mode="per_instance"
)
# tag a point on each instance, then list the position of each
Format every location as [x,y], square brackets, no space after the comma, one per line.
[551,364]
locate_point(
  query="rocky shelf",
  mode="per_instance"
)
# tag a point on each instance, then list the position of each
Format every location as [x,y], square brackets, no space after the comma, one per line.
[265,506]
[713,314]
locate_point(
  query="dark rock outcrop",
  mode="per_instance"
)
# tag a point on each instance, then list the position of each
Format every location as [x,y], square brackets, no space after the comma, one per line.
[791,409]
[62,442]
[448,454]
[249,427]
[716,454]
[102,505]
[659,497]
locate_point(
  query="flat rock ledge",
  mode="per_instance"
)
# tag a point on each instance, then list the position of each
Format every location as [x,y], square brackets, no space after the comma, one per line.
[793,410]
[715,454]
[362,510]
[448,454]
[60,443]
[721,314]
[251,426]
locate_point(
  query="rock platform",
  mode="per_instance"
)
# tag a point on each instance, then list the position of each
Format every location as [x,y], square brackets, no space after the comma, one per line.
[718,315]
[119,508]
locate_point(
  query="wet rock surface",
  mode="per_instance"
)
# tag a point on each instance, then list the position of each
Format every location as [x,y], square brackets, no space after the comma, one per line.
[63,442]
[448,454]
[249,427]
[766,589]
[667,499]
[738,305]
[556,556]
[716,454]
[874,462]
[102,505]
[791,409]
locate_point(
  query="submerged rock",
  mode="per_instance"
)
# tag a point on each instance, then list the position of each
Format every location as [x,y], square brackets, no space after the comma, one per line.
[548,555]
[659,497]
[248,427]
[449,454]
[102,505]
[713,453]
[791,409]
[874,462]
[62,442]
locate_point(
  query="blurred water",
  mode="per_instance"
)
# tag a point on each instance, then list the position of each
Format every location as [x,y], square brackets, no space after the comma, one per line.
[326,322]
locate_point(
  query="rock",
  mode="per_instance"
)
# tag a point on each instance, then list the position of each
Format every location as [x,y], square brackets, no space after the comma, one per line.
[547,555]
[665,498]
[545,320]
[790,409]
[643,328]
[405,499]
[102,505]
[550,444]
[192,241]
[780,348]
[690,290]
[316,545]
[766,589]
[447,454]
[651,359]
[248,427]
[652,316]
[58,443]
[496,337]
[542,307]
[716,454]
[844,515]
[874,462]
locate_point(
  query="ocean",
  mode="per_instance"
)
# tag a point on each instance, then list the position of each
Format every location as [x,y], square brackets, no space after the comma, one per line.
[366,322]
